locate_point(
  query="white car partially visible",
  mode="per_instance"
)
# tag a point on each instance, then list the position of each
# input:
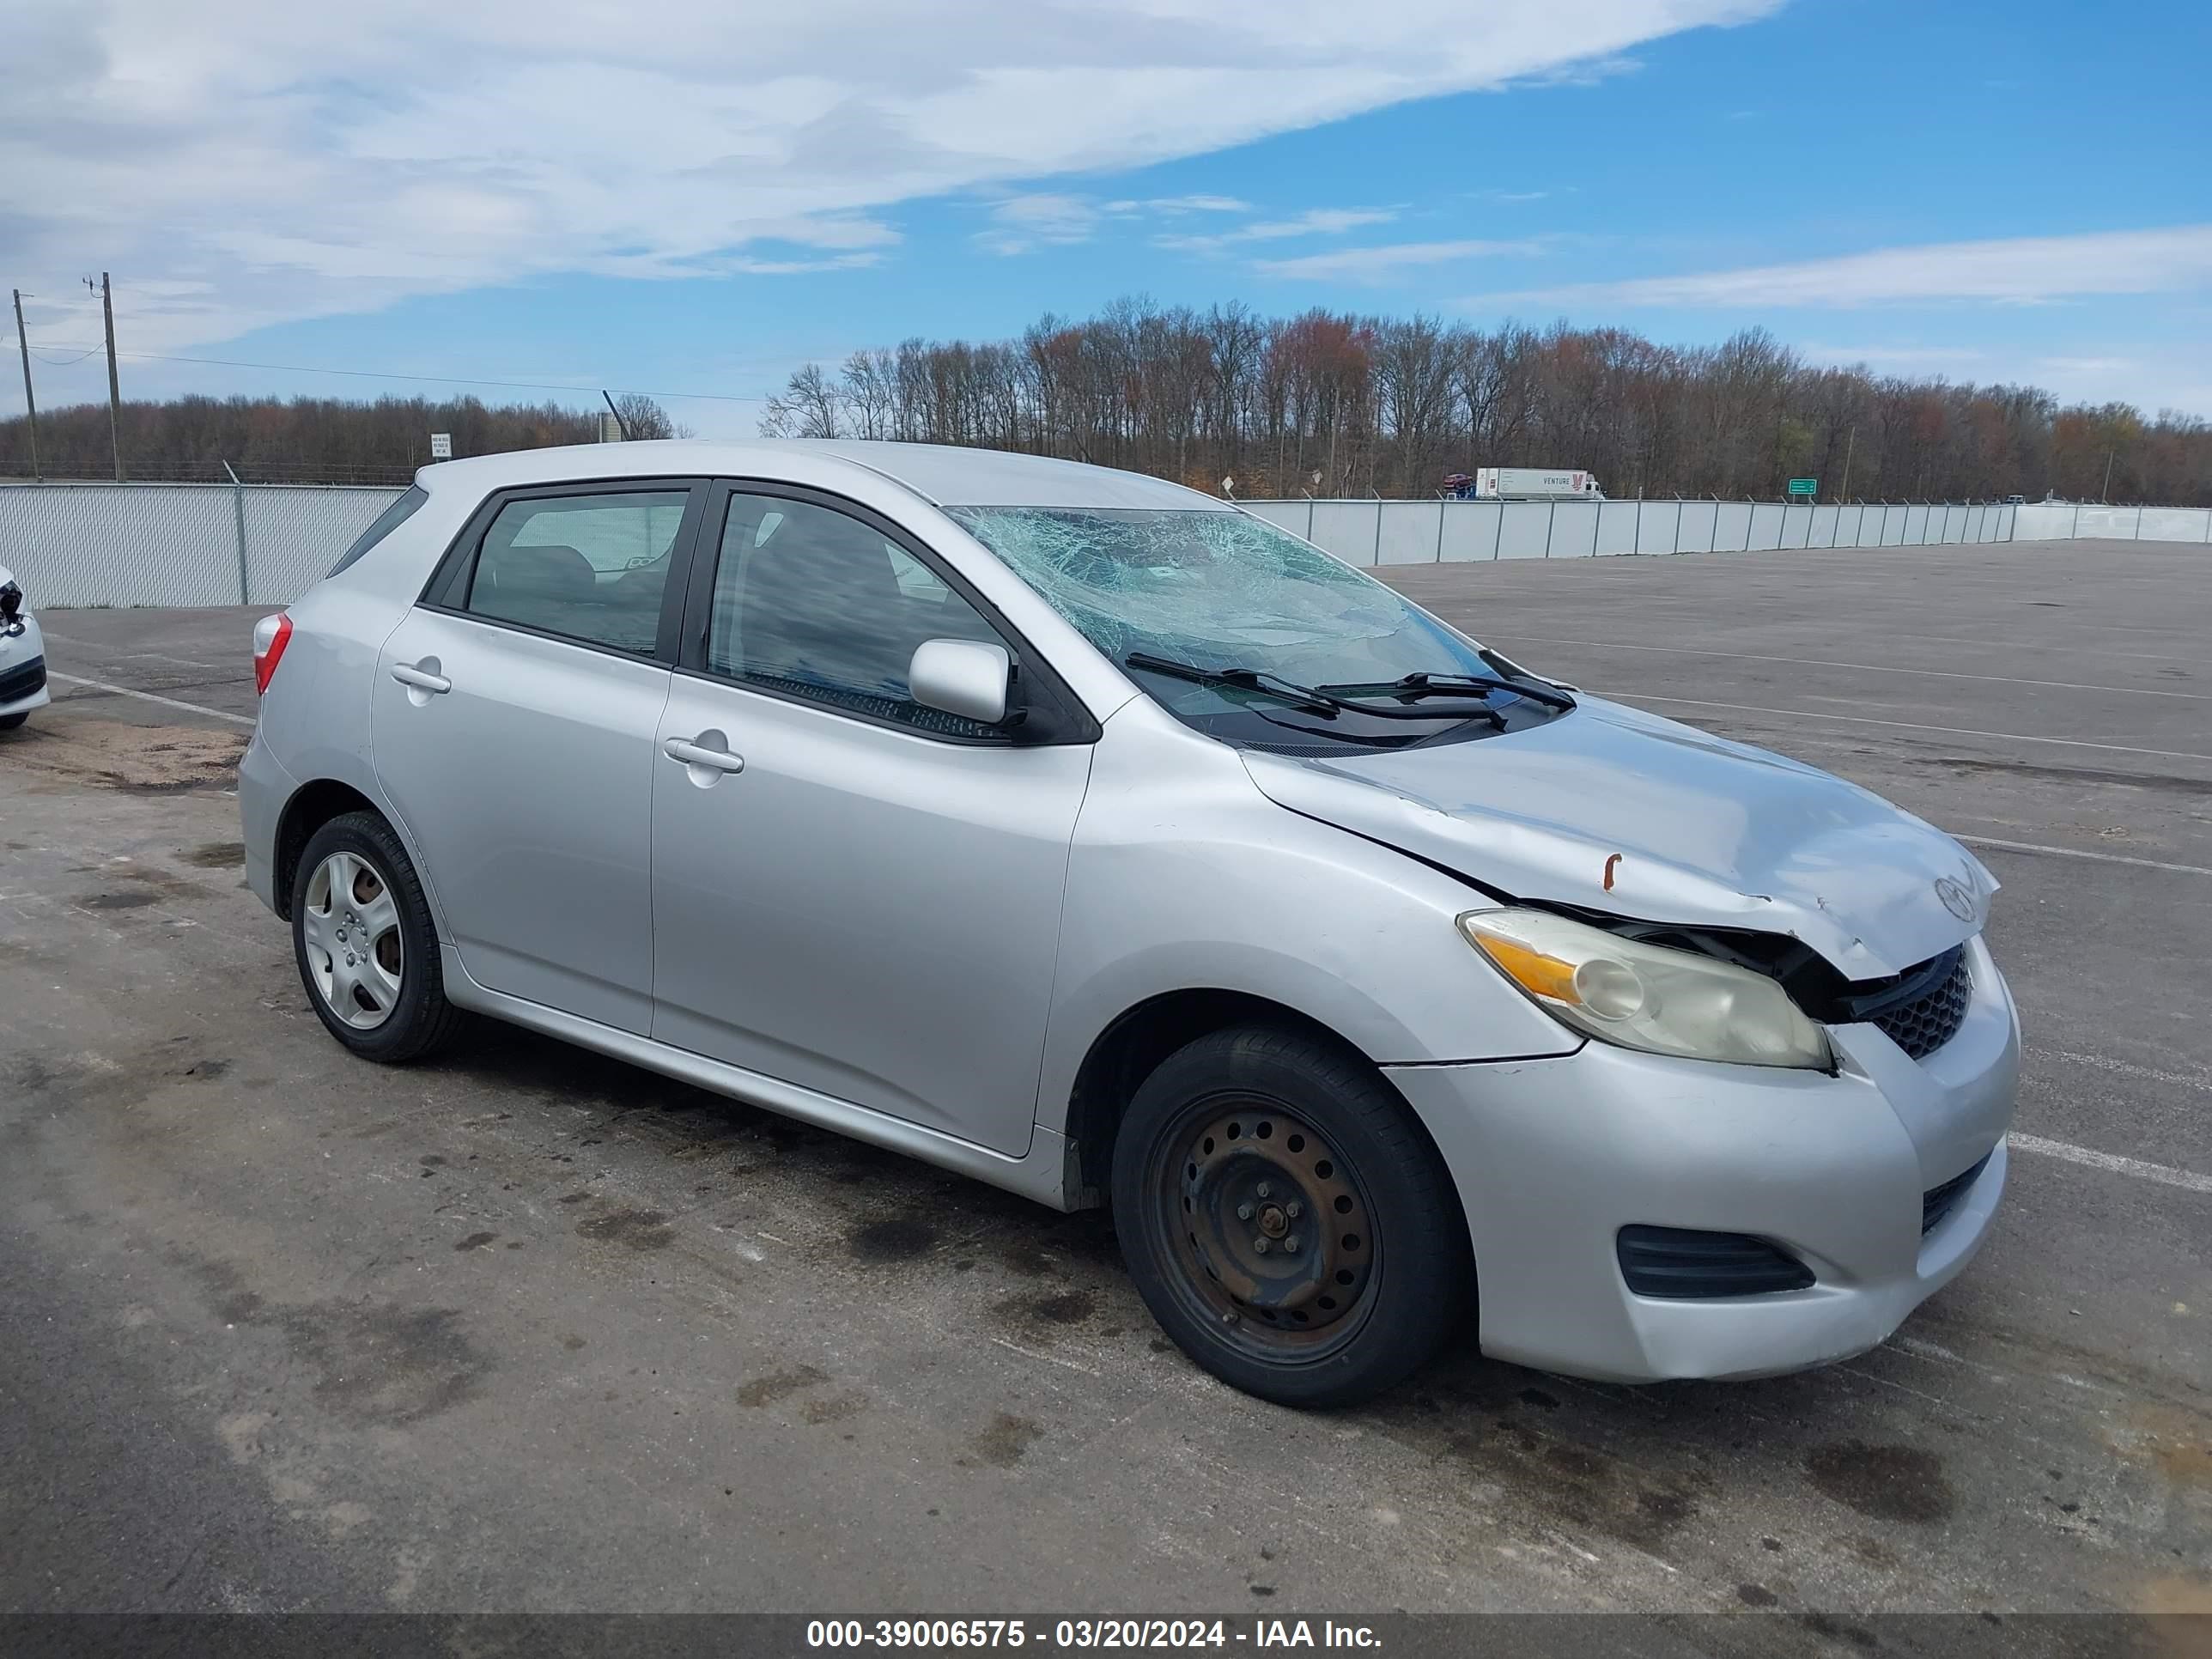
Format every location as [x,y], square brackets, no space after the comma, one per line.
[22,656]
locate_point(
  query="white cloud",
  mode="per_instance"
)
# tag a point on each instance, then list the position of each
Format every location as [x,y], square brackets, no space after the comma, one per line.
[241,162]
[2017,270]
[1314,221]
[1021,223]
[1381,265]
[1181,204]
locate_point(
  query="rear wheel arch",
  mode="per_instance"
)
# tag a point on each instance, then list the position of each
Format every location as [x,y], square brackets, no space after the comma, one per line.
[311,806]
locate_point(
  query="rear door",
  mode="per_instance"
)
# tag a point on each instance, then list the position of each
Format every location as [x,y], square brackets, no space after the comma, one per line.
[852,892]
[512,724]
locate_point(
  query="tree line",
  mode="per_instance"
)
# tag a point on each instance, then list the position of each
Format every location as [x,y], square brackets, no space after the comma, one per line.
[1334,404]
[300,440]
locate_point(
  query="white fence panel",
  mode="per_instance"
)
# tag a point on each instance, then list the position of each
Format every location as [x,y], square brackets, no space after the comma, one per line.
[1523,529]
[1700,527]
[1411,532]
[1731,527]
[295,533]
[1616,526]
[1348,529]
[2170,523]
[121,543]
[1821,530]
[1470,531]
[1297,517]
[1765,530]
[1574,529]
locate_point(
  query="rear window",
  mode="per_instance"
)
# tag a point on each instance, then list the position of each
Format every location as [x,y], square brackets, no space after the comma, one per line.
[386,522]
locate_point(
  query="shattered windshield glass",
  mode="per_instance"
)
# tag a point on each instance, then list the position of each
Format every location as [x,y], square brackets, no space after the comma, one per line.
[1217,590]
[1221,591]
[1225,592]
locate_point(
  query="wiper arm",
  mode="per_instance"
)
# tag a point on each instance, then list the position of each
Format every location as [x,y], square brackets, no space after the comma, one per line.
[1314,703]
[1445,685]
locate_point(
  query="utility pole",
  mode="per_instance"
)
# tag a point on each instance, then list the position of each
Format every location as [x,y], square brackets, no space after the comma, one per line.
[30,403]
[114,393]
[2105,495]
[1850,441]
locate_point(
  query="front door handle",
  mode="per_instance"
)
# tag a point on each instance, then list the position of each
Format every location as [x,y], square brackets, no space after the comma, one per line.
[421,678]
[703,753]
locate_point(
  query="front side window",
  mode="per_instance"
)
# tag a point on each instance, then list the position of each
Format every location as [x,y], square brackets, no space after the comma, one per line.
[1224,591]
[812,602]
[589,568]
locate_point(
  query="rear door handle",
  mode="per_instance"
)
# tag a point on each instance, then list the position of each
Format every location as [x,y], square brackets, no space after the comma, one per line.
[693,754]
[421,678]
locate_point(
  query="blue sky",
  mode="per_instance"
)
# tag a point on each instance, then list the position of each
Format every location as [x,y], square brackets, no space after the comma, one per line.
[1985,191]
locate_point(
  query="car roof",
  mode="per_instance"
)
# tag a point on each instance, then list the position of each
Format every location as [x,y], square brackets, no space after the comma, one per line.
[944,474]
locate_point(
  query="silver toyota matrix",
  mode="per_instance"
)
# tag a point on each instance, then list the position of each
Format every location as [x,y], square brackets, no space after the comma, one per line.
[1099,840]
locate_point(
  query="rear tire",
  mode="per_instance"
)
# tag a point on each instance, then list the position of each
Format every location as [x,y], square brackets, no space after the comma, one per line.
[366,947]
[1286,1220]
[9,722]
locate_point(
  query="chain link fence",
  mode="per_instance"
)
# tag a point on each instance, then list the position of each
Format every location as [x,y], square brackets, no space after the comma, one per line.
[265,543]
[178,543]
[1376,532]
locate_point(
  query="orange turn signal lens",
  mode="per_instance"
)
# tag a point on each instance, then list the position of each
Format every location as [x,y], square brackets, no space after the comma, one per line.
[1532,970]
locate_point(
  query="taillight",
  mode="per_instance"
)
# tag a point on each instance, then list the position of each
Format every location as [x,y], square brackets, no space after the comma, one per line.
[271,635]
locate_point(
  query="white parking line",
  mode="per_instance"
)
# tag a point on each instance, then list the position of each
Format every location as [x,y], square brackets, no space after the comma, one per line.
[1870,667]
[148,696]
[2081,853]
[1911,725]
[2201,1081]
[2188,1180]
[128,656]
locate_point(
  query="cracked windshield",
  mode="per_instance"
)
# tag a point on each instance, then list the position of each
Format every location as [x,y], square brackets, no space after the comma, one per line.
[1224,591]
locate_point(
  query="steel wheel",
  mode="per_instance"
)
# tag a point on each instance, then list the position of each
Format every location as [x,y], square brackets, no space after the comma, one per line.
[355,953]
[1272,1226]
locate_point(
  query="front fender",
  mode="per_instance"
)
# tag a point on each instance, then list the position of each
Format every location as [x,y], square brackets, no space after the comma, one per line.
[1183,876]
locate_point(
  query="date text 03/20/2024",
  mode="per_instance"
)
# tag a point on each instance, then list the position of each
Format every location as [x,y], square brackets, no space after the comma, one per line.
[1087,1633]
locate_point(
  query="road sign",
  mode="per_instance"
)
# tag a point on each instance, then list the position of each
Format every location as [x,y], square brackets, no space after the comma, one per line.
[1804,486]
[442,447]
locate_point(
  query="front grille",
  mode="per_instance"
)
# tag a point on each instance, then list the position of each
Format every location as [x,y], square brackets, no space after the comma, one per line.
[23,679]
[1939,1201]
[1683,1262]
[1926,1023]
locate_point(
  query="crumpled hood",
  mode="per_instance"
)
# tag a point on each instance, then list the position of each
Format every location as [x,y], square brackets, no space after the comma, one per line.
[1708,832]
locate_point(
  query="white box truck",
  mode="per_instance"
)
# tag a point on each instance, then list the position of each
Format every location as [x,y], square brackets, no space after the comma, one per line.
[1534,483]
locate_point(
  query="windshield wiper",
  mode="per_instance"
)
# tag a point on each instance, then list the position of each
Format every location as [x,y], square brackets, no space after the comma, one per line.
[1447,685]
[1314,703]
[1321,701]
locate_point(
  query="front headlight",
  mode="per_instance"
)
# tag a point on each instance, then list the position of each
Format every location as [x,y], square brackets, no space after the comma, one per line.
[1646,996]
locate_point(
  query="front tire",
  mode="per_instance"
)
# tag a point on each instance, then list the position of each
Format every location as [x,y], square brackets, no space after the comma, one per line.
[9,722]
[1286,1220]
[365,945]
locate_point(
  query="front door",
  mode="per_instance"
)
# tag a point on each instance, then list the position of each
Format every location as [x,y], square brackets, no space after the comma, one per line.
[852,892]
[513,725]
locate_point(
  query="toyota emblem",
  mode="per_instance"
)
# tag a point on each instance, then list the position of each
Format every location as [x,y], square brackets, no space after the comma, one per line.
[1957,899]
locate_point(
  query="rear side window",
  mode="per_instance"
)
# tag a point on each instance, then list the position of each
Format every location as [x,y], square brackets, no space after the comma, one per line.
[382,525]
[589,568]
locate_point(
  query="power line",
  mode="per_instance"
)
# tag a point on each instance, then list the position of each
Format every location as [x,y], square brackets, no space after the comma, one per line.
[381,375]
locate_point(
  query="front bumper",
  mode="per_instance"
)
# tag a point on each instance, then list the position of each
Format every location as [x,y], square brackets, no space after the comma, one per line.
[23,670]
[1553,1157]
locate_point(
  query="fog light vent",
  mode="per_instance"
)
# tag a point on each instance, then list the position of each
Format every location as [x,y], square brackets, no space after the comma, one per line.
[1683,1262]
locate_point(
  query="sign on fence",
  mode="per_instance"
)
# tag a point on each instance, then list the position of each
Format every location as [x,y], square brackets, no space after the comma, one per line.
[1804,486]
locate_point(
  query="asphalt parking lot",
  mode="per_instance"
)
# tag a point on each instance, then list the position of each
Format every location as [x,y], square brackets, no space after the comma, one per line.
[527,1329]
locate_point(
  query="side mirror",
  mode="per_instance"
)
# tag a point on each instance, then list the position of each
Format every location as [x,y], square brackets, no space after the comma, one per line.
[966,677]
